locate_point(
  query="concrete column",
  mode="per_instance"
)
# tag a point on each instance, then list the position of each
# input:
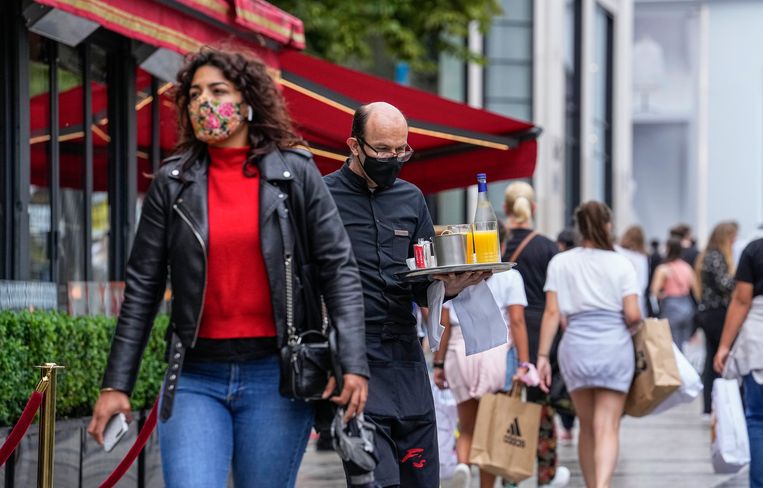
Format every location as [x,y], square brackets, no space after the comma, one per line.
[549,113]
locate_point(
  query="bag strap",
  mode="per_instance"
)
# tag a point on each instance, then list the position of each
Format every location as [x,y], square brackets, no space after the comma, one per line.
[292,247]
[516,389]
[288,248]
[522,246]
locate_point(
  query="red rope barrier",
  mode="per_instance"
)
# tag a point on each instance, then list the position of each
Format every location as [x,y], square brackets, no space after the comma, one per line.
[132,454]
[27,416]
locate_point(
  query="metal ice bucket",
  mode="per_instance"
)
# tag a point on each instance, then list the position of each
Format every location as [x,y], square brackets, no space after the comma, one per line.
[449,248]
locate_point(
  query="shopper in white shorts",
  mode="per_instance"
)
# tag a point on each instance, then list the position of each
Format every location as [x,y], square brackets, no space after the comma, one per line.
[597,290]
[471,377]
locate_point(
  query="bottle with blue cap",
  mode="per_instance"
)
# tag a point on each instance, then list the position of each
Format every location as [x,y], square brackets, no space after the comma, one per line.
[487,247]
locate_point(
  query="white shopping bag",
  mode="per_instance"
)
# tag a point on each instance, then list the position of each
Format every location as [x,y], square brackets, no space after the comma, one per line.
[447,421]
[730,444]
[691,384]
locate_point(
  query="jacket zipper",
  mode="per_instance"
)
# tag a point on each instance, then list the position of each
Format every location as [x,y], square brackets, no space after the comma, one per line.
[204,249]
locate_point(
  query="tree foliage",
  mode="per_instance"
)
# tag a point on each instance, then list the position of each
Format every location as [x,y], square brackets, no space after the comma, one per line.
[410,30]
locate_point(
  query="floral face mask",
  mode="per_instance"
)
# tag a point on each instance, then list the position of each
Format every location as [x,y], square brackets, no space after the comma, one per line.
[213,120]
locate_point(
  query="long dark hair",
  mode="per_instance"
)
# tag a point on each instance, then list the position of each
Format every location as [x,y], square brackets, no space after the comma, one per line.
[271,126]
[592,219]
[674,249]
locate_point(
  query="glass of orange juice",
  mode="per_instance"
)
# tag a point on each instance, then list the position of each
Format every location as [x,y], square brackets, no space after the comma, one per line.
[466,230]
[487,248]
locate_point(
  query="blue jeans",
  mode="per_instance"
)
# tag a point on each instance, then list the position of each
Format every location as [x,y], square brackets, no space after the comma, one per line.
[753,399]
[680,314]
[231,414]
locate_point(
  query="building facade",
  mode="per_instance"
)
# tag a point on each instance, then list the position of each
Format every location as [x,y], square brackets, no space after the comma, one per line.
[566,67]
[698,114]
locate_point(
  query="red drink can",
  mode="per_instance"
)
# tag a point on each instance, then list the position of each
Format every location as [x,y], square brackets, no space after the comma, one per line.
[418,254]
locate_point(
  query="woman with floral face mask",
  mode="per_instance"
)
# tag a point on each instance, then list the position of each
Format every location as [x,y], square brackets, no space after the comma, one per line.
[210,222]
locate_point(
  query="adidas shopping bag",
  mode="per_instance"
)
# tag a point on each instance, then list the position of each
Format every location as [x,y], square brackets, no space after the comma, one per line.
[656,375]
[506,435]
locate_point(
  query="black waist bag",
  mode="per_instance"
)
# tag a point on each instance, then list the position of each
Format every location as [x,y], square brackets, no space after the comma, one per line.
[307,364]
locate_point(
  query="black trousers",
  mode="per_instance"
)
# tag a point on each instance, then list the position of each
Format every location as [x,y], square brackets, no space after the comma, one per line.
[711,322]
[401,407]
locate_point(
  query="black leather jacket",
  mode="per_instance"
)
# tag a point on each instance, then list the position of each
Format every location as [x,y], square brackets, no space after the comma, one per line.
[172,239]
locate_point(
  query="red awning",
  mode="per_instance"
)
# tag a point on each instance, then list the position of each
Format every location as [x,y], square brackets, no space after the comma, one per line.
[179,30]
[251,16]
[71,138]
[452,141]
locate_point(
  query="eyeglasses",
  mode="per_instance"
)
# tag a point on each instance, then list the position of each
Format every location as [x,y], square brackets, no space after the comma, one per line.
[401,156]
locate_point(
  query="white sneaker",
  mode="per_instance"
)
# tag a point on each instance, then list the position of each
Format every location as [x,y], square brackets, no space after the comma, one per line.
[561,478]
[462,476]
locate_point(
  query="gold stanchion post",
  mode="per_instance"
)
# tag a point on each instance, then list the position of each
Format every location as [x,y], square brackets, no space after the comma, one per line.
[47,426]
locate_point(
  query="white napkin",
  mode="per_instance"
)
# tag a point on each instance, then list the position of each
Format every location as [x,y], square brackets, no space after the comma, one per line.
[435,296]
[482,323]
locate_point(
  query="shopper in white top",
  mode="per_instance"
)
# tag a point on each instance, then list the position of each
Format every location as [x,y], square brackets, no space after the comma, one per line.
[471,377]
[597,290]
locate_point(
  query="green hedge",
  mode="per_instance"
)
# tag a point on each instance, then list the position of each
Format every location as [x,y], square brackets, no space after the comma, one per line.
[79,343]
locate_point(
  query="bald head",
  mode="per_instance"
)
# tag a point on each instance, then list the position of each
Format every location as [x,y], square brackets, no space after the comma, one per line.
[381,116]
[378,128]
[380,125]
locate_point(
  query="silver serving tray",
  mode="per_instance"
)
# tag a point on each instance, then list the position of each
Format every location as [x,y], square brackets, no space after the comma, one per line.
[423,273]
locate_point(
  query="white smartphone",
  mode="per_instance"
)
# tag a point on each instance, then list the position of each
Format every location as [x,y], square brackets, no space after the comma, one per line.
[115,429]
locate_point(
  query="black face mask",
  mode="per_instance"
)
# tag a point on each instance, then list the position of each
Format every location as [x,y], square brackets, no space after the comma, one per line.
[383,172]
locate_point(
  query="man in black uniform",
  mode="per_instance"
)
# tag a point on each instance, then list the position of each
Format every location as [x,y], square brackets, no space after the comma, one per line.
[384,216]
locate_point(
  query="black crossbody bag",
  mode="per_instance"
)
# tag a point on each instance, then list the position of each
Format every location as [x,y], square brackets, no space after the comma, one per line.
[309,356]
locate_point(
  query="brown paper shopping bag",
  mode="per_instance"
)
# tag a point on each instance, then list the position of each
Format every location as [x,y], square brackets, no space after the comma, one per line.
[506,435]
[656,374]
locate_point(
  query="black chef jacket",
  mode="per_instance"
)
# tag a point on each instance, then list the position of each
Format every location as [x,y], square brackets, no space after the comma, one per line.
[383,225]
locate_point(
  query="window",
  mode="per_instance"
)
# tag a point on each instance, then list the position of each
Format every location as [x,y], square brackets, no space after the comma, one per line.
[78,155]
[602,107]
[151,95]
[509,73]
[572,74]
[71,140]
[99,127]
[509,53]
[40,239]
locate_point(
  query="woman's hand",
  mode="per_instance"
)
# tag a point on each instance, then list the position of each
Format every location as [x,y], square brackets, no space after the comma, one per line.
[544,371]
[109,404]
[439,378]
[719,362]
[353,396]
[520,373]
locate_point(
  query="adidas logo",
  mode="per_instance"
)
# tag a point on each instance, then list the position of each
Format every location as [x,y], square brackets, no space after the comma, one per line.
[514,434]
[514,428]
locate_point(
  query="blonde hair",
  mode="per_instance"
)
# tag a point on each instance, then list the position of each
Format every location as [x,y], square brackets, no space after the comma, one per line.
[519,199]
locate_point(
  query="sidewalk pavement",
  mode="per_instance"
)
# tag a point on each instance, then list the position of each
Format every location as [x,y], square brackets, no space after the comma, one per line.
[671,450]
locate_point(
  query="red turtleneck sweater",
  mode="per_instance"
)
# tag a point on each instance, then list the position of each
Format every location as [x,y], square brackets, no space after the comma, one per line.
[237,302]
